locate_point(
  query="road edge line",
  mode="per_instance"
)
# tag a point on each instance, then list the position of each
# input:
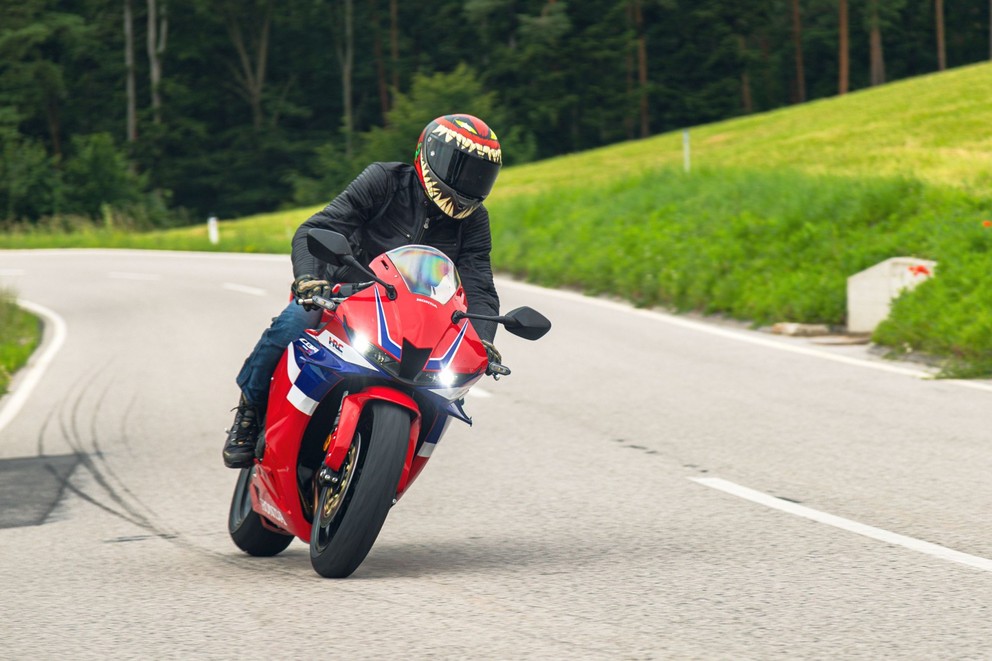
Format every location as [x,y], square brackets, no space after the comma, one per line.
[54,333]
[878,534]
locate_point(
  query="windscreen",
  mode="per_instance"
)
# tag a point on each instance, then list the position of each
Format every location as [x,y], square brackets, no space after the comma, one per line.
[427,271]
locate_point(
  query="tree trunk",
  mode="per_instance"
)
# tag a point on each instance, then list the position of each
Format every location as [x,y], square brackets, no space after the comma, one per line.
[132,101]
[394,45]
[747,100]
[642,69]
[346,57]
[628,116]
[844,55]
[380,65]
[158,30]
[938,7]
[797,41]
[250,77]
[875,46]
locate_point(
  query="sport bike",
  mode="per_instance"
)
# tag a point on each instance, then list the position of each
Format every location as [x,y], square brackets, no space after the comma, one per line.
[357,405]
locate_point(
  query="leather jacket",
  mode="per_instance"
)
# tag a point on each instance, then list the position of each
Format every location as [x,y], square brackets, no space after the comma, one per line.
[384,208]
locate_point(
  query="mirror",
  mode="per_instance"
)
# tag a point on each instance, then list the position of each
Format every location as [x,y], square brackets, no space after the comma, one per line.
[328,246]
[527,323]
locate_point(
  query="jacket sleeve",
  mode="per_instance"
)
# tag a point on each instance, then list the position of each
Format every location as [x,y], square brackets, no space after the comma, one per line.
[346,213]
[477,273]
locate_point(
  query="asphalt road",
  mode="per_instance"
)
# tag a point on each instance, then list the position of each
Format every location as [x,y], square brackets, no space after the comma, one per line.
[578,518]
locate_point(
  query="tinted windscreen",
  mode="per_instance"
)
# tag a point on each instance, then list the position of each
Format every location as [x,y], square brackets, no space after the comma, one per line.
[469,175]
[427,272]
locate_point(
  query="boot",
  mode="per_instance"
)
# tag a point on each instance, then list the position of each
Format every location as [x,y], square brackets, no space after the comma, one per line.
[239,450]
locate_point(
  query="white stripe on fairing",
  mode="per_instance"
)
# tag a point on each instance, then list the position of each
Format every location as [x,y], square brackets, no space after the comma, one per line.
[292,369]
[244,289]
[37,364]
[302,403]
[879,534]
[426,450]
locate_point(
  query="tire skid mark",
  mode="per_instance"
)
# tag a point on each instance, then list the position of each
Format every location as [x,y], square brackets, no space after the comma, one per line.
[94,462]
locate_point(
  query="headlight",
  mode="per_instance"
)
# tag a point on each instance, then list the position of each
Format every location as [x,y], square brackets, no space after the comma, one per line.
[442,379]
[380,358]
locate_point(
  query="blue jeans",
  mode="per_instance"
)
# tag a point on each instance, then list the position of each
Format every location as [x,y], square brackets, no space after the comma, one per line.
[257,371]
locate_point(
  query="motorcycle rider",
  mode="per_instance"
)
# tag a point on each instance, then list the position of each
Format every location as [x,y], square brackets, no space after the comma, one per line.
[436,201]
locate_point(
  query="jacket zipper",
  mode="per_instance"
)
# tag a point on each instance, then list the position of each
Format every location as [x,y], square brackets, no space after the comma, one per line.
[423,230]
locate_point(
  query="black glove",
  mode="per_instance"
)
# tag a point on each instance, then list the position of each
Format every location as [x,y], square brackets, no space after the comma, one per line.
[493,356]
[307,286]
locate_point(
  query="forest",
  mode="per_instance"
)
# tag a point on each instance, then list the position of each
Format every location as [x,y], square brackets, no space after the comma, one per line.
[149,113]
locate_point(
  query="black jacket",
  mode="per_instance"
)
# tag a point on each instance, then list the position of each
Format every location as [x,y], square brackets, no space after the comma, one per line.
[385,207]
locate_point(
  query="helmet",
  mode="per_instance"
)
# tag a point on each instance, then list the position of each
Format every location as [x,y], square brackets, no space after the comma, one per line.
[457,160]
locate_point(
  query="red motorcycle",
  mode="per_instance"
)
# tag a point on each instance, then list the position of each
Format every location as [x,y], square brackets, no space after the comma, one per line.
[357,405]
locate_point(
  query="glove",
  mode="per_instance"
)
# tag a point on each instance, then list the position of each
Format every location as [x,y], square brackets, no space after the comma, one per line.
[308,286]
[493,355]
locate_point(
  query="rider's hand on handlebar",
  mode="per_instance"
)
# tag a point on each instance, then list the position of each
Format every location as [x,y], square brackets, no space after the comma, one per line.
[307,286]
[495,359]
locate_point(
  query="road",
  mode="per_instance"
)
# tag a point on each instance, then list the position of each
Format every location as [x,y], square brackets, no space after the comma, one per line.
[579,517]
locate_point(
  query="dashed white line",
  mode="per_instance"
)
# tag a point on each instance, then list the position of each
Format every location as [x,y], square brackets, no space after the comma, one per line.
[32,373]
[244,289]
[124,275]
[929,548]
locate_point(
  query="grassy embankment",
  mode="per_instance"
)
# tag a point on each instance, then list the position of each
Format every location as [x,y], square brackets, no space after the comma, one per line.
[20,332]
[778,210]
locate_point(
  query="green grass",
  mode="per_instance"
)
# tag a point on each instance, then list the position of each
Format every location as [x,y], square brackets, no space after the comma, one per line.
[778,210]
[19,335]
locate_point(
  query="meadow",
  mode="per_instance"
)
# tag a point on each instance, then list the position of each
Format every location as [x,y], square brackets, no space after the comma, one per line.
[777,210]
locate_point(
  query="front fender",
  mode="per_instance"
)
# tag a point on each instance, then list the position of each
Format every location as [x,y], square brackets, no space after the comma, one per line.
[351,412]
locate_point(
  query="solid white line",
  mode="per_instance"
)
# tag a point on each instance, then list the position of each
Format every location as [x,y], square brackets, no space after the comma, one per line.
[54,337]
[740,336]
[124,275]
[4,272]
[244,289]
[879,534]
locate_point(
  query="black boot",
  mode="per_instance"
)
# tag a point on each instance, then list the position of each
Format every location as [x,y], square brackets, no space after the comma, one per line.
[239,450]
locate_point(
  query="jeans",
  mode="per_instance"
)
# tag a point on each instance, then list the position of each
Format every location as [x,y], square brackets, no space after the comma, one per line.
[257,371]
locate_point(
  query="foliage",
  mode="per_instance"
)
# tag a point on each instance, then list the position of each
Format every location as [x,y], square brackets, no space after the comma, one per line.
[252,109]
[19,335]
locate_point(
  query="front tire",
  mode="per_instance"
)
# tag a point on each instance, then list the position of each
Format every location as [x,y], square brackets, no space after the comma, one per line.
[245,524]
[343,533]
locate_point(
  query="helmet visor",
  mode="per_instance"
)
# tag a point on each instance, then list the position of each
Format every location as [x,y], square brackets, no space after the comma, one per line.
[470,176]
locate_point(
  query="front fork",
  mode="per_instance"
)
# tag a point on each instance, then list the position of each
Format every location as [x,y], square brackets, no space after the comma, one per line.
[340,440]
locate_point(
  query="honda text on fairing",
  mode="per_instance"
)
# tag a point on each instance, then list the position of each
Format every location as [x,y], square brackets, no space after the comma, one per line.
[357,405]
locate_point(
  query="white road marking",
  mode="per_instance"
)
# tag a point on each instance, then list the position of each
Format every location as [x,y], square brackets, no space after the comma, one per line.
[124,275]
[480,393]
[244,289]
[739,336]
[4,272]
[37,364]
[879,534]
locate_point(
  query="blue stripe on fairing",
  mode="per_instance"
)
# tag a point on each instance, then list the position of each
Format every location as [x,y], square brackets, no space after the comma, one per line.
[385,341]
[441,363]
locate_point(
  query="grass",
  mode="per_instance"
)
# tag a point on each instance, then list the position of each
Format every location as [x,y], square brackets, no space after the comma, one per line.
[19,335]
[778,210]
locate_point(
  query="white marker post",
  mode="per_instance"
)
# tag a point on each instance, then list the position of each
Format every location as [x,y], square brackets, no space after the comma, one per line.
[685,150]
[213,230]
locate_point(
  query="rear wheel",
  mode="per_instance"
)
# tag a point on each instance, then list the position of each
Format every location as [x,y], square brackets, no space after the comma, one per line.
[350,513]
[245,524]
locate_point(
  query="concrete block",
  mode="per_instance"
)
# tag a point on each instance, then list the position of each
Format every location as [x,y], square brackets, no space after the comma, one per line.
[870,292]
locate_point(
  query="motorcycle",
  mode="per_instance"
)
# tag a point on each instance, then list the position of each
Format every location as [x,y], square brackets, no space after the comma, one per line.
[357,405]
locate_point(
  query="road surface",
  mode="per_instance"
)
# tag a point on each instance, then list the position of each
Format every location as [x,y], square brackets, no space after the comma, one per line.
[642,486]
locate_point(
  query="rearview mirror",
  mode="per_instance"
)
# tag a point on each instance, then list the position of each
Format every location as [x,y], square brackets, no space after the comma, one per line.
[527,323]
[328,246]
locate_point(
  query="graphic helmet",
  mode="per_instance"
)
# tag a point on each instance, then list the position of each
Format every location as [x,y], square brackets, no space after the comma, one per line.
[457,160]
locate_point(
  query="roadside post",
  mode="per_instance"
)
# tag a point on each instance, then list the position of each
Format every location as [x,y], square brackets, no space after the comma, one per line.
[686,157]
[213,230]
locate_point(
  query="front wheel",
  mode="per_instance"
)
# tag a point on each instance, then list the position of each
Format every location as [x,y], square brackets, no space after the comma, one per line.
[350,513]
[245,524]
